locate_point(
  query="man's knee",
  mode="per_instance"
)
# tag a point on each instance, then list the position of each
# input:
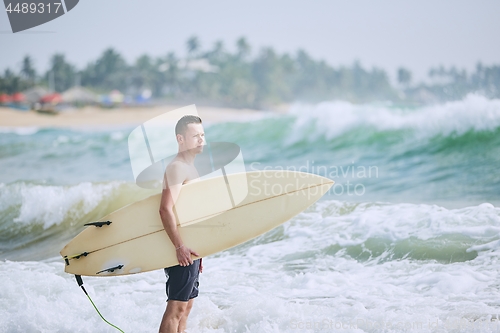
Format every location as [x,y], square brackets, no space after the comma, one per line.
[177,309]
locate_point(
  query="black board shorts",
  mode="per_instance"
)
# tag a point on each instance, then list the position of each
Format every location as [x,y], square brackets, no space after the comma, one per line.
[182,281]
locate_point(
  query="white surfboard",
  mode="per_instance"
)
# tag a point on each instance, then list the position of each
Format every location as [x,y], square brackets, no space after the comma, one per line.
[213,215]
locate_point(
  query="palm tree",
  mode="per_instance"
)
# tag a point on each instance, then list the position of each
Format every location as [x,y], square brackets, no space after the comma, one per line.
[63,73]
[243,47]
[216,55]
[404,77]
[109,63]
[28,71]
[193,45]
[109,71]
[11,82]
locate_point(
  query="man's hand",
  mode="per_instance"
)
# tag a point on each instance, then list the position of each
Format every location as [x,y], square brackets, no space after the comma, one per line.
[184,255]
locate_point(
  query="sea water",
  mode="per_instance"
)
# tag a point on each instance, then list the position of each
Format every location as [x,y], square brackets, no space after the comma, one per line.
[406,241]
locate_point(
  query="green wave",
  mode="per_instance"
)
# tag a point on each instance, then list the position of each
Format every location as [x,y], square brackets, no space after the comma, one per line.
[444,249]
[33,240]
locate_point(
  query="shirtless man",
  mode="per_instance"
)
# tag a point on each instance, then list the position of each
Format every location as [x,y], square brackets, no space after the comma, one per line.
[182,280]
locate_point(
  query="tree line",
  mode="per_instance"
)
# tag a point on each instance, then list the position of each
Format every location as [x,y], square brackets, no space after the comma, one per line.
[218,76]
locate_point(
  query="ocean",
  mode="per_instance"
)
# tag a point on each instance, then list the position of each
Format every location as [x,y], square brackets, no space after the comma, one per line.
[406,241]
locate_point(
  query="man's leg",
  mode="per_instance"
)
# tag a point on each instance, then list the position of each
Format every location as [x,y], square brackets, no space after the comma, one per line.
[175,311]
[183,321]
[182,283]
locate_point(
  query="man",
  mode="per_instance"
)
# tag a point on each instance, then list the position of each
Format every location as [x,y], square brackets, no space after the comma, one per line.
[182,280]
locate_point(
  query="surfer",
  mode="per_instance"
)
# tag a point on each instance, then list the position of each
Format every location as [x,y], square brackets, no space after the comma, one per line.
[182,280]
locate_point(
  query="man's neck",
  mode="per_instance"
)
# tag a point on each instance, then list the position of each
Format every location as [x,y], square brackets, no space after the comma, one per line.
[186,156]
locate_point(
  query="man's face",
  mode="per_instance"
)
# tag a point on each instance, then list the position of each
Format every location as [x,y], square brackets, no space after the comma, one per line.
[193,138]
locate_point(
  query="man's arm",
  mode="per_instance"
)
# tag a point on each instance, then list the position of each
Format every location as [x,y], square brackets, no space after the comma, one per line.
[174,177]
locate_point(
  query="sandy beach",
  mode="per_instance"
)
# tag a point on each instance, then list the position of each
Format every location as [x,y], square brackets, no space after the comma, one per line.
[96,117]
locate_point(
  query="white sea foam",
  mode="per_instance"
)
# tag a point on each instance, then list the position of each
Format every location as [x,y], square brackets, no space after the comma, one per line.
[286,283]
[250,294]
[395,222]
[27,130]
[331,119]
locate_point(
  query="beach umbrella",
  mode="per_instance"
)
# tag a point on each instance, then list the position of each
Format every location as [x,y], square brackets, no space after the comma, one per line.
[34,94]
[18,97]
[51,98]
[78,95]
[4,99]
[116,96]
[145,96]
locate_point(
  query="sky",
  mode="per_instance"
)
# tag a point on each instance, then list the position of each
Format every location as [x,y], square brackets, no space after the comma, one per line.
[387,34]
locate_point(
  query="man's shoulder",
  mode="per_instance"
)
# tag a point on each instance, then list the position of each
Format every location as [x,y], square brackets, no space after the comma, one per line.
[175,165]
[176,170]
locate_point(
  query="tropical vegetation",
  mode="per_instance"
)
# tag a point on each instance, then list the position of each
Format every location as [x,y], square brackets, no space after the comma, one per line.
[218,76]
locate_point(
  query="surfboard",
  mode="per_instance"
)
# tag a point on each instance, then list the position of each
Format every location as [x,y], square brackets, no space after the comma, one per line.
[213,215]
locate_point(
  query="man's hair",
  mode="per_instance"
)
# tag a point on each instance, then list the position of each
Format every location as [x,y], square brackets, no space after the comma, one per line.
[182,124]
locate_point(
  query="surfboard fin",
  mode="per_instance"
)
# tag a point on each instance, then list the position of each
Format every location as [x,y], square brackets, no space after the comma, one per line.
[98,224]
[76,256]
[110,270]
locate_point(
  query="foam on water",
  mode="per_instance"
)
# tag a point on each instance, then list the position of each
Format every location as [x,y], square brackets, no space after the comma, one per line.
[288,281]
[401,221]
[27,130]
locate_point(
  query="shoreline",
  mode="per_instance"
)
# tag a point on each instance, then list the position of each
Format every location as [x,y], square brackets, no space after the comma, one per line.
[97,117]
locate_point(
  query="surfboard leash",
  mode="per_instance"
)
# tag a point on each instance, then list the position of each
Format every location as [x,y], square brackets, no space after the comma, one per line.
[80,284]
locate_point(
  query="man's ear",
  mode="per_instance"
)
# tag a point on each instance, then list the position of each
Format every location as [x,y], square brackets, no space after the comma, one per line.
[180,138]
